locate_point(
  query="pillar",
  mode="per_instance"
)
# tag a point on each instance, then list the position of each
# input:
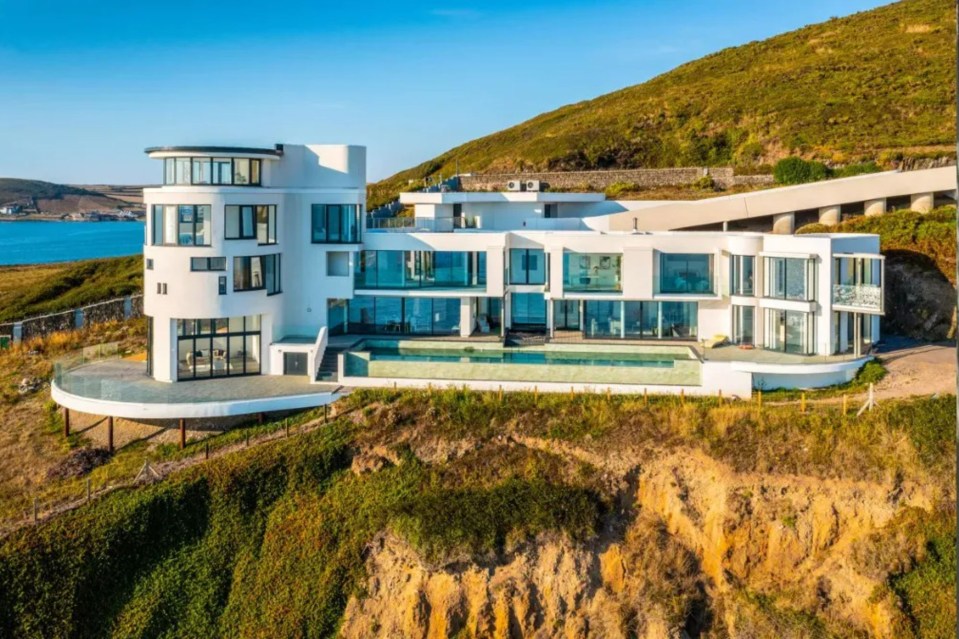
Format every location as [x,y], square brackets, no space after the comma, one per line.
[110,434]
[784,223]
[922,202]
[830,215]
[874,207]
[66,421]
[467,320]
[182,433]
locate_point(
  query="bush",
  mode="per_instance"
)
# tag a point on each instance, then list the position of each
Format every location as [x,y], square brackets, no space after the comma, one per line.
[795,170]
[857,169]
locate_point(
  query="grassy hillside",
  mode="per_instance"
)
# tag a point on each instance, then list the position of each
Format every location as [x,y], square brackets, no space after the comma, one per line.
[275,540]
[874,85]
[46,288]
[58,198]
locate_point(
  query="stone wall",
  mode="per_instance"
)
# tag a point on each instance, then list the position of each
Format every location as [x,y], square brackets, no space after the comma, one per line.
[120,308]
[599,180]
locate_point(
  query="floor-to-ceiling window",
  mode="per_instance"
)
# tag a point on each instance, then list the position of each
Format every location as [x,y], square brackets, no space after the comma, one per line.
[640,319]
[681,273]
[336,316]
[850,329]
[597,272]
[741,274]
[743,322]
[566,315]
[181,225]
[602,318]
[404,315]
[221,347]
[420,269]
[527,266]
[527,311]
[789,278]
[489,314]
[789,331]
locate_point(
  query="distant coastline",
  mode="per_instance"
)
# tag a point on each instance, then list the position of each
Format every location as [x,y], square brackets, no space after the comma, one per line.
[50,240]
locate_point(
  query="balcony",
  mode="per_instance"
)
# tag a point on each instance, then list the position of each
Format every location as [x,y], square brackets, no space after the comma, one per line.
[867,297]
[417,224]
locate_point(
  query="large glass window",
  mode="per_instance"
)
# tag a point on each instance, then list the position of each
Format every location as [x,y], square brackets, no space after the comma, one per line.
[857,282]
[640,319]
[527,310]
[790,278]
[741,274]
[207,263]
[250,221]
[335,223]
[743,322]
[420,269]
[404,315]
[181,225]
[592,271]
[489,314]
[527,266]
[219,171]
[256,273]
[566,315]
[789,331]
[221,347]
[685,273]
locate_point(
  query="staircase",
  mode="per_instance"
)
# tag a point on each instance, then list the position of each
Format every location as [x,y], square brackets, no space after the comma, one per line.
[521,338]
[328,367]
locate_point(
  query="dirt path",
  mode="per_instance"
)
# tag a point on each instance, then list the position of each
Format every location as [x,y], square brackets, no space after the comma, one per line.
[917,368]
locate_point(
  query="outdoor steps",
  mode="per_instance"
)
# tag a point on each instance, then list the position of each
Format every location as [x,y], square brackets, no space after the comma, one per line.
[328,367]
[515,338]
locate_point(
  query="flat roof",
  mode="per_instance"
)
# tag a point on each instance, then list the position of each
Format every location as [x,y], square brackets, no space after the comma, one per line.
[467,197]
[225,150]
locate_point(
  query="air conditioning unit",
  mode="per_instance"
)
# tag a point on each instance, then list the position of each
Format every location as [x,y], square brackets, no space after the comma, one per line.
[514,185]
[533,185]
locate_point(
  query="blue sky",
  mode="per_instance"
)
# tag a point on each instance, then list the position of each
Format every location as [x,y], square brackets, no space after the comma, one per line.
[87,85]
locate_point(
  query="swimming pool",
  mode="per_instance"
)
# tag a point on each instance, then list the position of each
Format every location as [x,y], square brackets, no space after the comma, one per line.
[599,364]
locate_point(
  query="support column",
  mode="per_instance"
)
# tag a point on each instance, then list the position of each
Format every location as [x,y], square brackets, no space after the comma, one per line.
[922,202]
[830,215]
[784,223]
[874,207]
[66,421]
[182,433]
[110,434]
[467,321]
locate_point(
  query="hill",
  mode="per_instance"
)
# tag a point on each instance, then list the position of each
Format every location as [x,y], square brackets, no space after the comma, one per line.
[877,85]
[920,250]
[47,197]
[31,290]
[467,514]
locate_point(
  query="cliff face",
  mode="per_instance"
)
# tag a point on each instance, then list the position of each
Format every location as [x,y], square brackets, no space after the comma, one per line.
[692,544]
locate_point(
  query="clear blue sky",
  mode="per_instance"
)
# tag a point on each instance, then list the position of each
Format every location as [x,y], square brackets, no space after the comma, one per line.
[85,85]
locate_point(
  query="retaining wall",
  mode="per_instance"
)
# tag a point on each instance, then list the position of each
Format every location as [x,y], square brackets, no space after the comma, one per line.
[599,180]
[120,308]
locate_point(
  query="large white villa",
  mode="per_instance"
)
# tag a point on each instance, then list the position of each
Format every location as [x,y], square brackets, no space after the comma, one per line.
[266,278]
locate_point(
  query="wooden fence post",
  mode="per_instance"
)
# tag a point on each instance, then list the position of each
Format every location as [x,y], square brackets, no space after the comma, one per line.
[802,402]
[110,434]
[182,433]
[645,396]
[759,399]
[66,421]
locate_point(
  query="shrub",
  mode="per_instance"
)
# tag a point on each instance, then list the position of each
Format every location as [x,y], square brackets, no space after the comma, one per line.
[795,170]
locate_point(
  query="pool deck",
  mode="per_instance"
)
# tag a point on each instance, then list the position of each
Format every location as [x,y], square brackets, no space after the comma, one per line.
[119,387]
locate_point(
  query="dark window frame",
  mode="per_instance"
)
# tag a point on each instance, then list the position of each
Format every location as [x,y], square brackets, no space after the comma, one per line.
[169,178]
[208,220]
[254,234]
[322,209]
[264,284]
[205,339]
[209,264]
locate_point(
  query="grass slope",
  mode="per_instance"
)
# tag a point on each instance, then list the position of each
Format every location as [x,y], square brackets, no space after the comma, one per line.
[271,541]
[47,288]
[868,86]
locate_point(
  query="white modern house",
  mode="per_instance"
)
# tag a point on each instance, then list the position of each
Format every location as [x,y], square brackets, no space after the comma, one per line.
[263,264]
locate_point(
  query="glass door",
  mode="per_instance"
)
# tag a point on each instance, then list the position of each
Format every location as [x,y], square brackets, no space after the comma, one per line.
[528,311]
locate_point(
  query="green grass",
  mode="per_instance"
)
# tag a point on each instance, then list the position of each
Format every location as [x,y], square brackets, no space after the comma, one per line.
[872,87]
[34,290]
[869,373]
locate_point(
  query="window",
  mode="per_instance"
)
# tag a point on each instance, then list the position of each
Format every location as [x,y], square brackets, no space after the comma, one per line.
[338,264]
[221,347]
[527,266]
[335,223]
[790,278]
[790,331]
[181,225]
[527,310]
[592,271]
[681,273]
[247,222]
[566,315]
[640,319]
[742,268]
[149,263]
[857,282]
[222,284]
[207,263]
[409,315]
[743,321]
[257,272]
[420,269]
[218,171]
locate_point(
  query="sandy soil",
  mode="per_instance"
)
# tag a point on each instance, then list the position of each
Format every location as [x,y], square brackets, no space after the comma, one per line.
[917,368]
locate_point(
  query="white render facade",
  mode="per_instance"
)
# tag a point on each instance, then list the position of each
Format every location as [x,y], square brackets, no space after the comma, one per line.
[257,258]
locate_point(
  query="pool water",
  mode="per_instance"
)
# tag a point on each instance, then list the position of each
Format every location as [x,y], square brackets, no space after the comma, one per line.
[645,360]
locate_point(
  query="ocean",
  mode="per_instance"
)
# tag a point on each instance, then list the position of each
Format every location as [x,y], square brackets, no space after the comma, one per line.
[44,242]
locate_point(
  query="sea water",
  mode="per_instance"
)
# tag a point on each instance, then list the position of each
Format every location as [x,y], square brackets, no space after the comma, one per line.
[25,242]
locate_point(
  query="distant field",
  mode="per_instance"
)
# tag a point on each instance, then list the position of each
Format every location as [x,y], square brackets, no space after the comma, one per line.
[47,288]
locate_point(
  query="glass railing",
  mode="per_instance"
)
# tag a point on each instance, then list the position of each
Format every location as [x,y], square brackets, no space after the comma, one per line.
[868,296]
[418,224]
